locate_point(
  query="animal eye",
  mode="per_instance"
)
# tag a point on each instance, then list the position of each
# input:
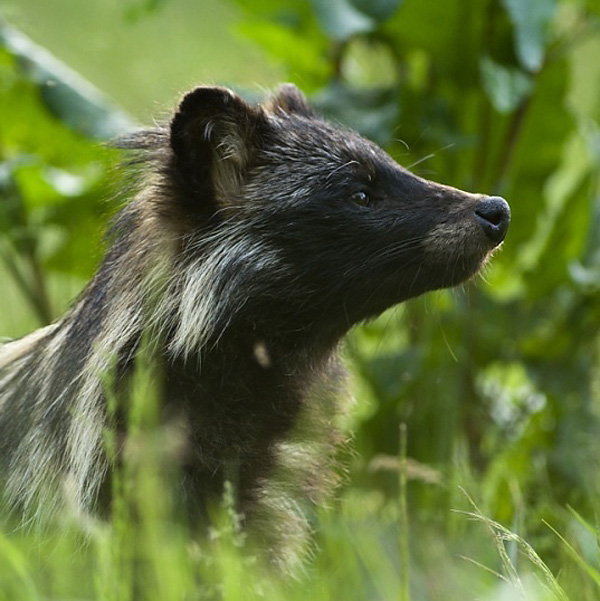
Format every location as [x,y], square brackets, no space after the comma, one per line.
[360,198]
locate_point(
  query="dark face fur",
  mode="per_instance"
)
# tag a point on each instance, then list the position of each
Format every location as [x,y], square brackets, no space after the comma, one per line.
[354,233]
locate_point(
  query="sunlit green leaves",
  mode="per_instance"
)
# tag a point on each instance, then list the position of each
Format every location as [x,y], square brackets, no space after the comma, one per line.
[52,179]
[585,79]
[559,189]
[301,53]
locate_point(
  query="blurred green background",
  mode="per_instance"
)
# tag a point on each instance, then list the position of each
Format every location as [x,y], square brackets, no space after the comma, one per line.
[498,382]
[142,58]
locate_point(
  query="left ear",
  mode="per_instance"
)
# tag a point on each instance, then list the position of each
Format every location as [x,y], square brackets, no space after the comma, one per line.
[290,100]
[214,134]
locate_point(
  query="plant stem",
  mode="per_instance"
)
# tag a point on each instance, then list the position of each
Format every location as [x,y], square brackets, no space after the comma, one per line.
[33,288]
[482,150]
[509,145]
[403,518]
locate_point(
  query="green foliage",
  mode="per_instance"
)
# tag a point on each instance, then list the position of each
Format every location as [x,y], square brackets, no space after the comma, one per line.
[501,376]
[53,178]
[531,20]
[505,88]
[498,382]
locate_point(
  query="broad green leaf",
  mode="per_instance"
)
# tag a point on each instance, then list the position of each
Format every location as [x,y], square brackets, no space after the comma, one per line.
[432,26]
[301,54]
[377,9]
[341,20]
[506,88]
[538,151]
[373,112]
[531,20]
[71,98]
[52,183]
[586,277]
[43,186]
[37,132]
[558,191]
[567,208]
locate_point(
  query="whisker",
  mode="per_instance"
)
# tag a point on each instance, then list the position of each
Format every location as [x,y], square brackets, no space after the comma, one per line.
[430,155]
[401,141]
[332,173]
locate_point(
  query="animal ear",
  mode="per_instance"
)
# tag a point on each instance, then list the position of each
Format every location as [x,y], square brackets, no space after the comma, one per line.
[213,136]
[289,99]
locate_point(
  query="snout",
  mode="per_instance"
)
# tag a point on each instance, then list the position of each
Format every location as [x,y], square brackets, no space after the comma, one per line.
[493,215]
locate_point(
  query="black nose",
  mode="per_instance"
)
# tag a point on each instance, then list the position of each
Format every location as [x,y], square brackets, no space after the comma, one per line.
[493,213]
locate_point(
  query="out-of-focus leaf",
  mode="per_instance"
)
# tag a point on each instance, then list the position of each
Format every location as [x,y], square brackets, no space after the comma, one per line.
[65,183]
[142,8]
[587,278]
[302,54]
[558,212]
[430,26]
[341,19]
[585,79]
[369,64]
[58,210]
[373,112]
[43,186]
[377,9]
[71,98]
[77,244]
[289,10]
[565,203]
[540,150]
[531,19]
[512,397]
[34,188]
[52,179]
[506,88]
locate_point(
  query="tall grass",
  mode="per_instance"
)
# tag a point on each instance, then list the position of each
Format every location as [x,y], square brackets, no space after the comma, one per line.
[366,548]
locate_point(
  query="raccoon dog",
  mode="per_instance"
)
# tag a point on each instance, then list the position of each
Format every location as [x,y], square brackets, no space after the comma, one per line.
[259,236]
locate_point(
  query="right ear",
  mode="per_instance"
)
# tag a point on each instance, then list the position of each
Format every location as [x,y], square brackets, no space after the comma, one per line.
[213,136]
[291,101]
